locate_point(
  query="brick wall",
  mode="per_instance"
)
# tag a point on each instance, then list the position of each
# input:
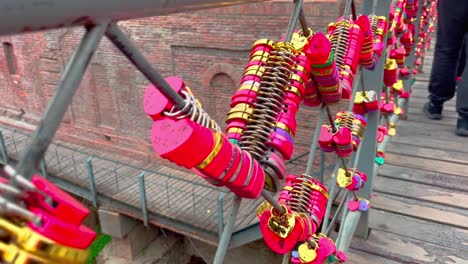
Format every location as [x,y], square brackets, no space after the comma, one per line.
[208,49]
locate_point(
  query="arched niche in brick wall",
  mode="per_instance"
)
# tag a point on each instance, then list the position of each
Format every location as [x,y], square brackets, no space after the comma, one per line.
[220,80]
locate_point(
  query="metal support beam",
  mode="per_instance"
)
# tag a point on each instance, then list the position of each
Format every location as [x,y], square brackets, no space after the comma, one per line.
[128,48]
[372,80]
[411,58]
[144,207]
[220,214]
[21,16]
[313,147]
[59,103]
[43,169]
[92,183]
[348,229]
[294,18]
[227,233]
[4,148]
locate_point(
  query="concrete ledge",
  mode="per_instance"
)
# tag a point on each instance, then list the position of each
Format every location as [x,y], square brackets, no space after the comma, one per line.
[115,224]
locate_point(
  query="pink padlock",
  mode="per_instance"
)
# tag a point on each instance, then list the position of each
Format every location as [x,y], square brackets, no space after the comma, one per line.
[234,165]
[254,63]
[387,107]
[253,185]
[293,97]
[199,150]
[291,105]
[77,236]
[289,121]
[64,206]
[281,144]
[221,161]
[302,60]
[254,78]
[172,138]
[155,103]
[280,163]
[237,124]
[233,135]
[242,171]
[252,101]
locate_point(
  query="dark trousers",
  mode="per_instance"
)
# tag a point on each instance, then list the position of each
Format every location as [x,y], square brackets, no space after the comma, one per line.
[461,60]
[452,26]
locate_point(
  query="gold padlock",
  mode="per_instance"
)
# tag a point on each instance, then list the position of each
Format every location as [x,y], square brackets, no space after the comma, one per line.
[397,110]
[12,254]
[263,207]
[398,85]
[27,239]
[359,98]
[298,42]
[306,253]
[281,224]
[343,178]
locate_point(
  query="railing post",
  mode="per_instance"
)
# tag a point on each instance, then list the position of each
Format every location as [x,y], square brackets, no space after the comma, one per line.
[220,214]
[410,60]
[4,148]
[43,169]
[144,208]
[92,184]
[372,80]
[227,233]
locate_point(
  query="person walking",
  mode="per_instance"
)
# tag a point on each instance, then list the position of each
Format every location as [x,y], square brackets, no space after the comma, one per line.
[452,28]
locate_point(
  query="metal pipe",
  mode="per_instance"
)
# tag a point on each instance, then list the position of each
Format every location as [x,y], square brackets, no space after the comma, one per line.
[220,214]
[4,148]
[128,48]
[349,227]
[227,233]
[313,147]
[331,192]
[303,22]
[59,103]
[19,16]
[92,183]
[293,20]
[338,210]
[273,201]
[144,207]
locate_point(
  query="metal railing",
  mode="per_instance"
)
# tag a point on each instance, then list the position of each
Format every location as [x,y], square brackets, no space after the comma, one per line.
[197,204]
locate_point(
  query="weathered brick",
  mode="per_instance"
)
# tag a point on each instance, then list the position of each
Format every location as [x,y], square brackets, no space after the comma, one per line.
[208,49]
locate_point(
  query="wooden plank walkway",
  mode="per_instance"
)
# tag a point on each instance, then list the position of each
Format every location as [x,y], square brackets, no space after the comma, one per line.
[419,212]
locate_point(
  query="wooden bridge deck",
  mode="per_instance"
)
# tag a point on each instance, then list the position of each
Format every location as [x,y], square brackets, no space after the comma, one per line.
[419,212]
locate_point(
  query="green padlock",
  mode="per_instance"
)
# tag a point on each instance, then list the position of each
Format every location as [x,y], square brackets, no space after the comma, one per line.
[380,161]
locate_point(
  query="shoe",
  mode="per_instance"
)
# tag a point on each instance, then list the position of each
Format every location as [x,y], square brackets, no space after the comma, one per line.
[433,111]
[462,126]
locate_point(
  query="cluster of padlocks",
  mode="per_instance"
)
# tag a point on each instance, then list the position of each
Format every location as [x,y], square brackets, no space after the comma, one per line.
[40,223]
[313,68]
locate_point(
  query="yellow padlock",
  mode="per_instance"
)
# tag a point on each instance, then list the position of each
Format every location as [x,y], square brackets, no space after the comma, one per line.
[307,254]
[27,239]
[342,179]
[11,254]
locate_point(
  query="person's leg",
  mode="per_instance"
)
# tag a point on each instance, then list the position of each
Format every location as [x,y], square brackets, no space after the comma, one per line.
[462,100]
[450,31]
[461,61]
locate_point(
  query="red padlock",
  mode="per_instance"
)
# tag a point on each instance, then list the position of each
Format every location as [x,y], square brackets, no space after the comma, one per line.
[77,236]
[155,103]
[64,206]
